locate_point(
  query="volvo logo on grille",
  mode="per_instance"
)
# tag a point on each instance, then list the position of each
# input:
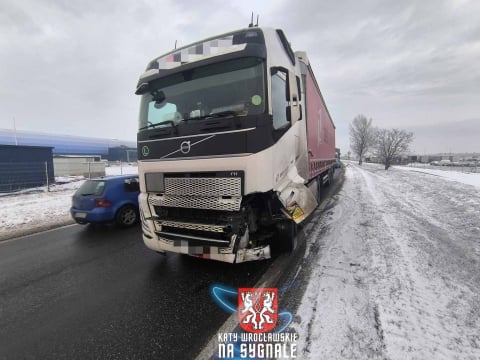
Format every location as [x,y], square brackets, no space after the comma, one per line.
[185,147]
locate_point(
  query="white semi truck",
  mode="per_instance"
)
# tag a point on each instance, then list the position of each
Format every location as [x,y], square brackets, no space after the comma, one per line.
[234,144]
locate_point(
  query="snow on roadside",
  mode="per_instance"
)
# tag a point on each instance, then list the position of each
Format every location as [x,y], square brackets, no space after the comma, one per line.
[398,273]
[465,178]
[36,210]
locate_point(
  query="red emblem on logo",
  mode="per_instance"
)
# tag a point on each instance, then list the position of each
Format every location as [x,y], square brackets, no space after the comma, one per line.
[257,309]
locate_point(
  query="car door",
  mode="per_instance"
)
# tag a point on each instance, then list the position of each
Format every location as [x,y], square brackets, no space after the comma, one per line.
[131,188]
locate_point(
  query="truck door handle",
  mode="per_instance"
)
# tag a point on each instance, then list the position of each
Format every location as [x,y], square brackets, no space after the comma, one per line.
[295,101]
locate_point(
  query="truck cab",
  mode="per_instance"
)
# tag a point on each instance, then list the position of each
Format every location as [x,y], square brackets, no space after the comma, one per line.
[226,165]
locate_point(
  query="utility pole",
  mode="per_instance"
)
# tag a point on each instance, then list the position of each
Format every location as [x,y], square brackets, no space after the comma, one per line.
[15,131]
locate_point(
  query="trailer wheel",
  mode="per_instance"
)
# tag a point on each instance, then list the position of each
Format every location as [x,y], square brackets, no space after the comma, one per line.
[330,177]
[319,190]
[286,235]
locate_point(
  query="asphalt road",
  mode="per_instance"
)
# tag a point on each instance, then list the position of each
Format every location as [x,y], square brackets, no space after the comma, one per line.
[83,292]
[97,293]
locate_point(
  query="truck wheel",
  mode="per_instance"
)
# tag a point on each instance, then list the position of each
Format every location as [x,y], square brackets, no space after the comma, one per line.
[127,216]
[319,189]
[330,177]
[286,231]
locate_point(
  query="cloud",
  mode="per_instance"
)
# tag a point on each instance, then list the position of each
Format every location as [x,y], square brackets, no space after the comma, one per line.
[71,67]
[429,139]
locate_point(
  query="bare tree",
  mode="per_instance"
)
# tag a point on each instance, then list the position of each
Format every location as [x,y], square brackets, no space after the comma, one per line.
[361,136]
[391,144]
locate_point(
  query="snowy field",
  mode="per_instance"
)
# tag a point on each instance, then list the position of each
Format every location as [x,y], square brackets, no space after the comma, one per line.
[396,263]
[37,210]
[397,274]
[473,168]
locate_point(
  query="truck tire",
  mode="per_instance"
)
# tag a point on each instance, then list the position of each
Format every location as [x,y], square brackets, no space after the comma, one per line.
[330,177]
[126,216]
[286,235]
[319,190]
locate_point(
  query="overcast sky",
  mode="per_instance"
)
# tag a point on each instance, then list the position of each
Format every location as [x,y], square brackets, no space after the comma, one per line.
[70,67]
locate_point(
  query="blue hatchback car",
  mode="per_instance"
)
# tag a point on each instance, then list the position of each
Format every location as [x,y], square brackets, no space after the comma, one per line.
[107,199]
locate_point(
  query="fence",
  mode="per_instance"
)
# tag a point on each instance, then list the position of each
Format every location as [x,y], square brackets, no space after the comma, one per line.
[79,167]
[121,168]
[16,176]
[473,167]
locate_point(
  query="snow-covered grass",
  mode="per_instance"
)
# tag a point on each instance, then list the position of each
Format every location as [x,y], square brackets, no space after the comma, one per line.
[463,177]
[34,210]
[471,168]
[397,273]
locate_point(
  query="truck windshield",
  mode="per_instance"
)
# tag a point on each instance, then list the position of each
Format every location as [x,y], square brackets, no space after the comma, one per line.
[231,88]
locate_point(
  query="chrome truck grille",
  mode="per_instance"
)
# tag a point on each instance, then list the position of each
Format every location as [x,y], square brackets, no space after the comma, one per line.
[200,234]
[191,226]
[197,202]
[210,193]
[179,214]
[231,186]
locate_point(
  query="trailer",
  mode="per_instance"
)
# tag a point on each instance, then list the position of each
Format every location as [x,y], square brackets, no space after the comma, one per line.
[234,144]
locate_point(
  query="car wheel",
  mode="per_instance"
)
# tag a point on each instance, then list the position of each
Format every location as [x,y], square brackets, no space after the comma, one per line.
[127,216]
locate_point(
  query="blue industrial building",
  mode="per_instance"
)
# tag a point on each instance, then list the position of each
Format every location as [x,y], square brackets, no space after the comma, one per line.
[27,158]
[109,149]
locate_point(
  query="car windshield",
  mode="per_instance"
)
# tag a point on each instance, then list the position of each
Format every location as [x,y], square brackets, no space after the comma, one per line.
[91,187]
[231,88]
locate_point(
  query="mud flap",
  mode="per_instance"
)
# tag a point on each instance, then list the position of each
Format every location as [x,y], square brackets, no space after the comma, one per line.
[298,201]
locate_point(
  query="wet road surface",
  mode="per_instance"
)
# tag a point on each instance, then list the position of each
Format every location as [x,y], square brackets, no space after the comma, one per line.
[83,292]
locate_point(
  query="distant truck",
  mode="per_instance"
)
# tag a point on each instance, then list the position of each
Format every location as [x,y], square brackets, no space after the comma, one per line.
[234,143]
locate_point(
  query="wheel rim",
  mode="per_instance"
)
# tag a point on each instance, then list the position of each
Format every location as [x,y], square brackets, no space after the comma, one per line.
[129,216]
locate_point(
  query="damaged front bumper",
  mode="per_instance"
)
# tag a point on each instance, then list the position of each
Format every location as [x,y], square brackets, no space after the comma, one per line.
[206,241]
[225,254]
